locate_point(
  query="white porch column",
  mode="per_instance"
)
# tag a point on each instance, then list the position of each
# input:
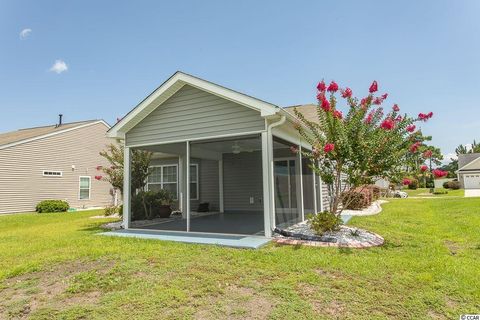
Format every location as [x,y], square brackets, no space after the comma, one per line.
[300,169]
[220,185]
[127,189]
[267,186]
[187,184]
[181,201]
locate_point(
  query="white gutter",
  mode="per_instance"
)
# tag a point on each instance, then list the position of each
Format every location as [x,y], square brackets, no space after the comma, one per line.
[271,182]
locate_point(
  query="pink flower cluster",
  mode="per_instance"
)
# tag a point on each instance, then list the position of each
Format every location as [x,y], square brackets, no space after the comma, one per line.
[425,116]
[423,168]
[406,181]
[329,147]
[388,124]
[98,178]
[347,93]
[439,173]
[427,154]
[414,147]
[338,114]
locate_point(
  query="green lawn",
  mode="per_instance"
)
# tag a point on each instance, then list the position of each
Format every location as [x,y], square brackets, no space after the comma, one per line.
[53,266]
[424,192]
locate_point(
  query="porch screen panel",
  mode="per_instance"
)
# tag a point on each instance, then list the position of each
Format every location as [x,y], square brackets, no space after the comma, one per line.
[287,191]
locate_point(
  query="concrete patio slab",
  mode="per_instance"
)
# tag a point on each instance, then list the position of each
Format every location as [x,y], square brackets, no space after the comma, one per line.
[234,241]
[472,193]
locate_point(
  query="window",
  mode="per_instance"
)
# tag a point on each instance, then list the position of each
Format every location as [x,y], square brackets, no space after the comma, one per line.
[164,177]
[194,182]
[84,188]
[50,173]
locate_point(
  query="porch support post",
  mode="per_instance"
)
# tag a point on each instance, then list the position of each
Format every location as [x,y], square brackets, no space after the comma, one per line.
[127,189]
[220,184]
[300,169]
[181,183]
[267,186]
[187,184]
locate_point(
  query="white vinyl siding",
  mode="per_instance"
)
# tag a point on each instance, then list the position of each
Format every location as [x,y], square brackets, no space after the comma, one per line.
[84,186]
[23,186]
[193,113]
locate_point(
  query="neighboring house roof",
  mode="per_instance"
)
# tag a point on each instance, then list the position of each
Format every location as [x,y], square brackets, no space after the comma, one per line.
[309,111]
[469,161]
[175,83]
[12,138]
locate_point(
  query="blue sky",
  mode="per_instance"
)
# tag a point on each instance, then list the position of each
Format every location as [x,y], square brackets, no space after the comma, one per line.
[425,54]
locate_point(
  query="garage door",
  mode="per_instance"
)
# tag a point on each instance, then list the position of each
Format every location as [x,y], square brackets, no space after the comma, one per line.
[472,181]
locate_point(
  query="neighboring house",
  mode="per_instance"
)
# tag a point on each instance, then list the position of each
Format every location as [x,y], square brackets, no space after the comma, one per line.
[469,170]
[53,162]
[218,146]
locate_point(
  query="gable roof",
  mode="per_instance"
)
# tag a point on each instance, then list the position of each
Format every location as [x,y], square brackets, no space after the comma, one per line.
[12,138]
[175,83]
[309,111]
[465,161]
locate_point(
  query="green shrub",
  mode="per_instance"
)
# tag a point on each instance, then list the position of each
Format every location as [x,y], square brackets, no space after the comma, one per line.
[430,185]
[445,184]
[324,221]
[454,185]
[145,204]
[356,199]
[413,184]
[110,210]
[52,206]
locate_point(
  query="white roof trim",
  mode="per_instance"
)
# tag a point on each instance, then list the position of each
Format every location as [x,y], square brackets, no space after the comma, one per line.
[9,145]
[468,164]
[172,85]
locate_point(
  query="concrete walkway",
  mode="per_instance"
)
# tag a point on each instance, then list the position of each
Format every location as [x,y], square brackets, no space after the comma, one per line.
[472,193]
[245,242]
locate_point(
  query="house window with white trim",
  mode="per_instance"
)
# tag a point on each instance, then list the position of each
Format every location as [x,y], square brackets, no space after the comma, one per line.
[164,177]
[194,182]
[85,186]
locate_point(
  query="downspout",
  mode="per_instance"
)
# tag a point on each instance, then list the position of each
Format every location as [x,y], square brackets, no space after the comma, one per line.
[271,214]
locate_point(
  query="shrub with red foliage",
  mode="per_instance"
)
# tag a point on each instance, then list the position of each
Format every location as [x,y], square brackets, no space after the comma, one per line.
[357,198]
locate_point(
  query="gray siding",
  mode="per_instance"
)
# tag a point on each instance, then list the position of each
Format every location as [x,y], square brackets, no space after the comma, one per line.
[22,184]
[193,113]
[209,186]
[243,179]
[207,180]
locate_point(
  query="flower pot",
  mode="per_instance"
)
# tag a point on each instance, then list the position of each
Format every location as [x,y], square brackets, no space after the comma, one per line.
[164,211]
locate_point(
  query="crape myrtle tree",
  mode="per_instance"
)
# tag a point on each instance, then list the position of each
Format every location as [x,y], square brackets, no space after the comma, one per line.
[357,143]
[140,163]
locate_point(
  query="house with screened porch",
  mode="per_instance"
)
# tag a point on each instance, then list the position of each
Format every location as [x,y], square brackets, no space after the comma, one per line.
[219,149]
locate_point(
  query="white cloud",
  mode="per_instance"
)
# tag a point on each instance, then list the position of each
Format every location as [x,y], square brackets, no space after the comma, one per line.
[25,33]
[447,158]
[59,66]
